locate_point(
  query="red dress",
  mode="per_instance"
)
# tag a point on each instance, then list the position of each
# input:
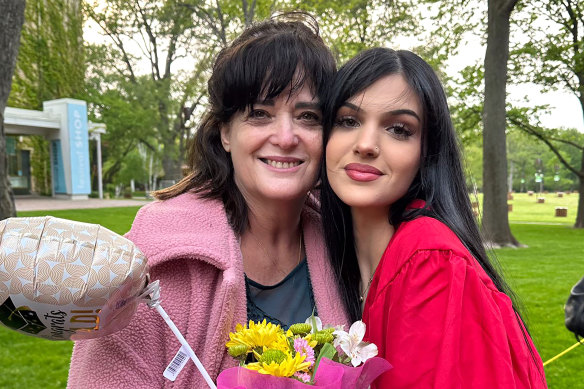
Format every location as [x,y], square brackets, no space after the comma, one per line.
[438,318]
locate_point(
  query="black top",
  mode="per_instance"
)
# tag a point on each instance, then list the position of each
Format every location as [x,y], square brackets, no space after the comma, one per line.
[288,302]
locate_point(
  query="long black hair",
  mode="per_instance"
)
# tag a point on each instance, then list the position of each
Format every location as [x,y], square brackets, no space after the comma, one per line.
[439,181]
[266,59]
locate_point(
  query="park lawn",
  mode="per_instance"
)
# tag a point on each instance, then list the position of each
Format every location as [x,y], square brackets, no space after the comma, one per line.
[541,274]
[526,209]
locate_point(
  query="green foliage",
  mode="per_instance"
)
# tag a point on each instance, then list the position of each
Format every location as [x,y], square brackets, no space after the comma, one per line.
[566,145]
[134,168]
[40,163]
[522,153]
[51,60]
[466,103]
[154,34]
[552,56]
[354,25]
[130,112]
[50,65]
[472,155]
[157,107]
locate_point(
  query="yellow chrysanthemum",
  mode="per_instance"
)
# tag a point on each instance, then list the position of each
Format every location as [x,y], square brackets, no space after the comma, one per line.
[281,343]
[257,335]
[311,342]
[286,368]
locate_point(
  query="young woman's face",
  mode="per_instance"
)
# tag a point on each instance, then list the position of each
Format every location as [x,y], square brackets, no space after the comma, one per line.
[373,153]
[276,147]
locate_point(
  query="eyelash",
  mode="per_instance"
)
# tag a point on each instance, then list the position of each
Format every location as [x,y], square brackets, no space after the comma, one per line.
[306,116]
[343,122]
[404,131]
[254,112]
[310,116]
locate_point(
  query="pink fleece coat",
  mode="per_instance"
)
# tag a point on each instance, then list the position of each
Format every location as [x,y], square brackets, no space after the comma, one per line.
[196,256]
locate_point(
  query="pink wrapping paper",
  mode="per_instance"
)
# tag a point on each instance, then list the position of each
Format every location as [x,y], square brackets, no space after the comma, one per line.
[330,375]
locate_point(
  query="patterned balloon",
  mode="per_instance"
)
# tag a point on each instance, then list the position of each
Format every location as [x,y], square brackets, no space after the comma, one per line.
[61,279]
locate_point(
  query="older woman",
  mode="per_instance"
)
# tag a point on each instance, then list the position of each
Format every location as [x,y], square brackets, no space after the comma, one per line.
[238,238]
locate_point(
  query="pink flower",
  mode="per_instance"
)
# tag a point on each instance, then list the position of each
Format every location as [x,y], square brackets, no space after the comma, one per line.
[304,377]
[301,346]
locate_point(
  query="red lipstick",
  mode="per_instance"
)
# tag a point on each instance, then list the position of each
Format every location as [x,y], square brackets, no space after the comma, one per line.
[361,172]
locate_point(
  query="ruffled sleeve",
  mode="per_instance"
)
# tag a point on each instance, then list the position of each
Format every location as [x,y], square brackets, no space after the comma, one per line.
[440,321]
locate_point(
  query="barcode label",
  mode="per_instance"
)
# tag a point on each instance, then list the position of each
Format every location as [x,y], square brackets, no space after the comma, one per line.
[176,365]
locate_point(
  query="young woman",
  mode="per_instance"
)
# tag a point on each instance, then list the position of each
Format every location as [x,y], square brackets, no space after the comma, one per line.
[402,237]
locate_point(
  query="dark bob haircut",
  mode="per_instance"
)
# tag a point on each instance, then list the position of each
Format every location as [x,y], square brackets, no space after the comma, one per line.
[266,59]
[440,179]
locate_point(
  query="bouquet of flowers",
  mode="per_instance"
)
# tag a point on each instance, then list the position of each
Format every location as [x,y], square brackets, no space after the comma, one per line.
[305,355]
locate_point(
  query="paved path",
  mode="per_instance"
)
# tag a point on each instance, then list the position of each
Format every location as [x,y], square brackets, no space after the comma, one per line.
[34,203]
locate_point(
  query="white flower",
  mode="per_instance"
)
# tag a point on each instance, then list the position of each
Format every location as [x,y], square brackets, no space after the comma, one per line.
[312,320]
[352,343]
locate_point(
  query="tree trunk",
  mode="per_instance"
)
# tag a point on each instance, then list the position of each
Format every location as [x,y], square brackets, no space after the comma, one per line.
[580,212]
[495,222]
[11,19]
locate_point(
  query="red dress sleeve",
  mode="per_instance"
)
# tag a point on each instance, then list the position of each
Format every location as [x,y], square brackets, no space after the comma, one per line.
[441,323]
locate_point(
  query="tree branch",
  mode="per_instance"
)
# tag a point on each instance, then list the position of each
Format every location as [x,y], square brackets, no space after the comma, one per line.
[117,42]
[154,61]
[147,144]
[531,130]
[568,142]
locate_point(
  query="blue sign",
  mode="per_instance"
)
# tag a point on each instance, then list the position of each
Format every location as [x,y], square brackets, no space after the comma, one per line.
[79,148]
[58,168]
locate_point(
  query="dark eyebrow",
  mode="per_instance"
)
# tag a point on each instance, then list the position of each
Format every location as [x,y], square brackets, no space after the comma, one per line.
[394,112]
[405,112]
[301,105]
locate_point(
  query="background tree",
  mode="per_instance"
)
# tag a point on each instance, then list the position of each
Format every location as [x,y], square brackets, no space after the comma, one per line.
[163,50]
[552,58]
[11,19]
[495,221]
[148,84]
[476,112]
[50,65]
[351,26]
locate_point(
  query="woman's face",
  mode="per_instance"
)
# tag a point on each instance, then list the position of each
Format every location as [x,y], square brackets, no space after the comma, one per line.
[373,153]
[276,146]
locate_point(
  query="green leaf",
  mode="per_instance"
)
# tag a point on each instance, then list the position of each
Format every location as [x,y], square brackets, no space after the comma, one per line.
[327,351]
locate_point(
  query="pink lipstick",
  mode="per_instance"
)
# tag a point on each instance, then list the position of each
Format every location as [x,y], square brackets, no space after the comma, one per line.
[361,172]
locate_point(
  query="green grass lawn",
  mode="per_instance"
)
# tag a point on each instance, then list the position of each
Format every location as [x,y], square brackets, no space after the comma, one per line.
[527,210]
[541,274]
